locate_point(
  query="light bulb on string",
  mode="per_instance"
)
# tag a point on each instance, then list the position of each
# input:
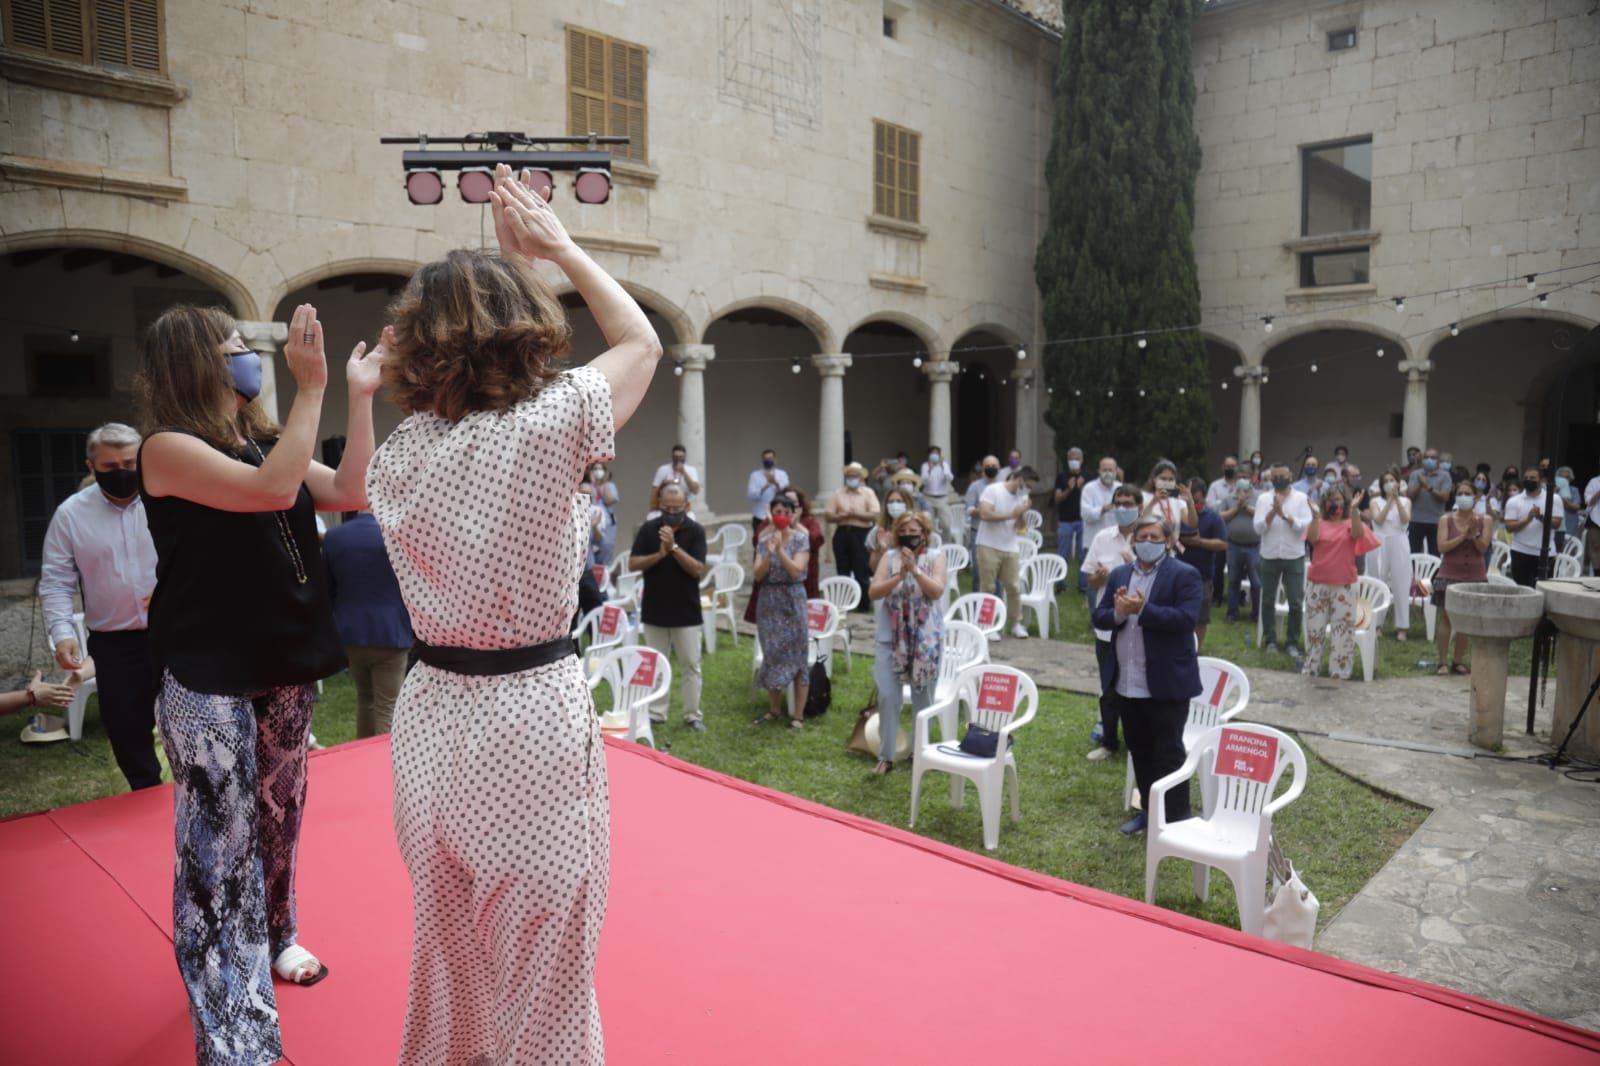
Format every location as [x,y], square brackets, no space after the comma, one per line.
[1224,386]
[1313,368]
[1533,281]
[74,337]
[1111,392]
[1263,379]
[1022,353]
[1266,323]
[1399,303]
[794,368]
[1049,390]
[677,370]
[1380,353]
[916,362]
[1182,390]
[1544,299]
[1141,392]
[1143,341]
[1077,392]
[1455,329]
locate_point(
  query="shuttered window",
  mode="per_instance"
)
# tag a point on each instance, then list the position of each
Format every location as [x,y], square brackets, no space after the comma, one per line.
[108,33]
[606,82]
[896,172]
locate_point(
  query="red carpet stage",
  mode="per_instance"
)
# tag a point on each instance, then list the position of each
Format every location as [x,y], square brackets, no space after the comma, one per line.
[746,928]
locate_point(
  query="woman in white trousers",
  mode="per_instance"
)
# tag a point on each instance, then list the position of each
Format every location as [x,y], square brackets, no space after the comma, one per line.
[1391,563]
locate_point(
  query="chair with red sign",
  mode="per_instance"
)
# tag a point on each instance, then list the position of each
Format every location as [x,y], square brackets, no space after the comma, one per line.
[822,625]
[1247,761]
[638,678]
[603,628]
[983,610]
[1001,699]
[1224,694]
[845,595]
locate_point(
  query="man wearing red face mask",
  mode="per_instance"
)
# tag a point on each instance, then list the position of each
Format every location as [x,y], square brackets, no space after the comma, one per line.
[782,552]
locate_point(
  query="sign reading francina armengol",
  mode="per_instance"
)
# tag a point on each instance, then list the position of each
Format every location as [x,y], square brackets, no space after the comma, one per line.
[1247,755]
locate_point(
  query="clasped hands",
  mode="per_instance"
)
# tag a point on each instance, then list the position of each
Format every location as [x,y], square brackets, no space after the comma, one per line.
[1128,602]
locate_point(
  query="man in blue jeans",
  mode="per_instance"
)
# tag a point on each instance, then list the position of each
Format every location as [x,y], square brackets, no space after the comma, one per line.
[1244,548]
[1068,496]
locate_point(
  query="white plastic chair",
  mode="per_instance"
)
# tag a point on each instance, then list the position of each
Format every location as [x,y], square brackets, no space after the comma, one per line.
[1032,519]
[1565,565]
[822,625]
[629,586]
[1423,567]
[1499,557]
[1034,537]
[983,610]
[603,628]
[718,591]
[956,560]
[1379,600]
[964,646]
[845,595]
[729,538]
[998,698]
[1039,577]
[1224,695]
[1247,761]
[1280,610]
[1500,579]
[1026,549]
[80,698]
[639,677]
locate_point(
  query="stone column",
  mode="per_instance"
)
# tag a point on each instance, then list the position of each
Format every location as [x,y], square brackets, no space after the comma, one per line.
[1414,429]
[268,339]
[1249,408]
[692,406]
[940,374]
[830,421]
[1027,425]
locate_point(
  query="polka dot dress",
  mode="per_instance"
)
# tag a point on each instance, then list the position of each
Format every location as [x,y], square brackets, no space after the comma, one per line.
[500,804]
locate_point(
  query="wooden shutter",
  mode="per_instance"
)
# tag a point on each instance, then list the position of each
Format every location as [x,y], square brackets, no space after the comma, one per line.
[127,33]
[57,27]
[907,184]
[586,82]
[896,172]
[606,90]
[626,103]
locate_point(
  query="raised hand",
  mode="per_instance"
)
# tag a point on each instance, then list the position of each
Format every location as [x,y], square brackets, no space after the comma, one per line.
[524,224]
[364,372]
[303,352]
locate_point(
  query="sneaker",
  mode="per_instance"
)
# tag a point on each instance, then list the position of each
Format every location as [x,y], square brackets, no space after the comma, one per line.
[993,636]
[1270,648]
[1137,824]
[697,725]
[1019,631]
[1100,754]
[1295,653]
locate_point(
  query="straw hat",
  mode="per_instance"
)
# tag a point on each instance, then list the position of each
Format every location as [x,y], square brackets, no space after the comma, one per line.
[855,468]
[906,477]
[43,728]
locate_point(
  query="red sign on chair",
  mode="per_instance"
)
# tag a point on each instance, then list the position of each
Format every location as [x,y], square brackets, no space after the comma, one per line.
[1220,691]
[610,620]
[997,692]
[1247,755]
[599,573]
[644,675]
[986,609]
[816,617]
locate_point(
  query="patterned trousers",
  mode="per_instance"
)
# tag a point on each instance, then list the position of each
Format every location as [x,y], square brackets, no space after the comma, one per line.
[1330,610]
[239,770]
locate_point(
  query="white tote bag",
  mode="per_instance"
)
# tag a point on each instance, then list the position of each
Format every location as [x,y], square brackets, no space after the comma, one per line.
[1291,914]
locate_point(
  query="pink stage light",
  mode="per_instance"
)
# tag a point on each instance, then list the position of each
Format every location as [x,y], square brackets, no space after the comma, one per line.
[542,182]
[592,186]
[424,186]
[475,183]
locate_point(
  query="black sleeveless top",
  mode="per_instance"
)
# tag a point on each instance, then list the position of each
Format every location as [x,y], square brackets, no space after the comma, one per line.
[241,602]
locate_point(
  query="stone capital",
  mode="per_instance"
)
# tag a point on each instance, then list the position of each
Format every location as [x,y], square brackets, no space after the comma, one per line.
[941,371]
[831,364]
[1250,374]
[1415,369]
[264,336]
[692,356]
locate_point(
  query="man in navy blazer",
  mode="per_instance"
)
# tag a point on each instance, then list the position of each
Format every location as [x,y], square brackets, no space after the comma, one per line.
[371,618]
[1152,606]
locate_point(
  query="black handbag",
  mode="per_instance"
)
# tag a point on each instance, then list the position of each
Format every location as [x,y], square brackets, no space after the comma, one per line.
[982,743]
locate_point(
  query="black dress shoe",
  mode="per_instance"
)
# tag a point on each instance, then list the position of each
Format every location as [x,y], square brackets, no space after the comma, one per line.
[1136,824]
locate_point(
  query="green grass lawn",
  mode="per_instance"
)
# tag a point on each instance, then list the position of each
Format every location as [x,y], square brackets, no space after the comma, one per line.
[1339,833]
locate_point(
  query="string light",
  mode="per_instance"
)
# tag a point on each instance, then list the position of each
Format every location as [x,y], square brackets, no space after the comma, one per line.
[1399,303]
[1544,299]
[1380,353]
[916,362]
[1141,392]
[1533,280]
[1077,392]
[1313,368]
[1182,390]
[1224,386]
[74,336]
[1266,323]
[1455,329]
[1022,353]
[677,370]
[794,368]
[1143,342]
[1111,392]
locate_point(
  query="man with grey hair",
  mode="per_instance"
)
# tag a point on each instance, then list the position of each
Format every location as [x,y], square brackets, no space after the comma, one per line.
[98,538]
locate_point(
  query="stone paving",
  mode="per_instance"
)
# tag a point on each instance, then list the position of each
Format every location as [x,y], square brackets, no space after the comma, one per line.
[1498,893]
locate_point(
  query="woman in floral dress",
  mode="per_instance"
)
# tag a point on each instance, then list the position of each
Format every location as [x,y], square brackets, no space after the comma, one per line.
[909,583]
[782,552]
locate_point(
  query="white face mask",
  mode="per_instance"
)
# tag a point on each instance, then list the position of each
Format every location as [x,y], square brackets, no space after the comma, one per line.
[852,483]
[1074,465]
[1107,476]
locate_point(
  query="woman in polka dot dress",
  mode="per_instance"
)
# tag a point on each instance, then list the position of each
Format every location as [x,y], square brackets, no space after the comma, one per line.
[500,782]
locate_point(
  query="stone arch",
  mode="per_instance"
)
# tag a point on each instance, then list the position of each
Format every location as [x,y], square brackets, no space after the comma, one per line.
[399,267]
[913,325]
[991,326]
[811,320]
[1395,346]
[1512,314]
[683,327]
[238,294]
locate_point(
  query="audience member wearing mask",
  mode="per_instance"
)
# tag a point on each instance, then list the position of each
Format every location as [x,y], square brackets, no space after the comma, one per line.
[1094,506]
[880,480]
[1341,455]
[852,511]
[1244,548]
[765,482]
[1168,498]
[1413,463]
[1151,606]
[1390,514]
[670,551]
[1259,475]
[800,507]
[881,542]
[1525,519]
[938,488]
[1205,545]
[1219,497]
[1591,504]
[780,565]
[1068,498]
[1429,488]
[677,472]
[1334,535]
[1310,482]
[1488,499]
[986,473]
[1464,538]
[1112,547]
[1000,508]
[901,500]
[1571,505]
[1282,518]
[907,593]
[98,540]
[605,498]
[371,618]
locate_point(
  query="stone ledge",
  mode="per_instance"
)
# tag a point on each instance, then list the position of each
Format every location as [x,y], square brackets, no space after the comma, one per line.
[1329,292]
[896,228]
[64,175]
[1333,242]
[52,72]
[617,242]
[627,172]
[898,283]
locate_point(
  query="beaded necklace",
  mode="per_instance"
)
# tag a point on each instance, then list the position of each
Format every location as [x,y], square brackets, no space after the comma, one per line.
[285,534]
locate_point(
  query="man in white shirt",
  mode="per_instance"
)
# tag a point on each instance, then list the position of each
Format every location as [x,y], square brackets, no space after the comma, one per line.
[1223,491]
[1591,500]
[1525,521]
[1111,548]
[938,485]
[1282,516]
[99,535]
[677,472]
[765,483]
[988,470]
[1094,505]
[1000,507]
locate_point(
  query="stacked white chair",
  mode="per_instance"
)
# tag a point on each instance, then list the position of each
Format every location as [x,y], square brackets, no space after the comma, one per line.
[1379,600]
[956,560]
[1026,549]
[728,539]
[980,609]
[1499,557]
[1033,536]
[1247,762]
[1032,519]
[1564,565]
[999,698]
[1280,610]
[1423,567]
[80,698]
[845,595]
[1224,695]
[1039,577]
[718,591]
[639,679]
[603,628]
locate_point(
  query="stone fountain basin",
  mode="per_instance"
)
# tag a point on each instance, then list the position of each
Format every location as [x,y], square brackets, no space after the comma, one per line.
[1573,604]
[1485,610]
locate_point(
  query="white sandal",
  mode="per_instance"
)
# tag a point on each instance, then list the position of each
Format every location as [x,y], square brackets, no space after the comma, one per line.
[298,966]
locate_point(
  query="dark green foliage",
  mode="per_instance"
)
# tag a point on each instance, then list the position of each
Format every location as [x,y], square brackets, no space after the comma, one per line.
[1118,252]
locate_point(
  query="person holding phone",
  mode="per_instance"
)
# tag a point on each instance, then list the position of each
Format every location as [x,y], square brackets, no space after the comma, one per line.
[908,586]
[678,471]
[1390,511]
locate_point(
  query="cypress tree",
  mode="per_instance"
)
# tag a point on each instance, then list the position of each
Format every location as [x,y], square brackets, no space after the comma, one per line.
[1117,253]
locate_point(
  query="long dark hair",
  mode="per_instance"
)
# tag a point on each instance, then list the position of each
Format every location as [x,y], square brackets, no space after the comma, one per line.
[183,380]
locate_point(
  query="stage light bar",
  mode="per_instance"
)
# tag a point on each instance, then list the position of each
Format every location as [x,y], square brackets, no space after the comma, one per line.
[424,186]
[475,184]
[542,182]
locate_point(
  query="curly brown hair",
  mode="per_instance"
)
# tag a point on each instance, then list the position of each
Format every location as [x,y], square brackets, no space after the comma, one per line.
[184,382]
[473,332]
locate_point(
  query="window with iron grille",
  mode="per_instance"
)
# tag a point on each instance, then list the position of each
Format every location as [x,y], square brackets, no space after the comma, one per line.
[896,172]
[122,34]
[49,468]
[606,91]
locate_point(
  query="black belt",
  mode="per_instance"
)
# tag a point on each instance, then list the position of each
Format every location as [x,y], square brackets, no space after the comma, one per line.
[482,662]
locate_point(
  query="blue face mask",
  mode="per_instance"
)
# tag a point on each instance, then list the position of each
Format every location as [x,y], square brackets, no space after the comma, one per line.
[896,508]
[1126,515]
[1465,503]
[1150,551]
[1562,484]
[1430,465]
[1329,480]
[245,367]
[852,483]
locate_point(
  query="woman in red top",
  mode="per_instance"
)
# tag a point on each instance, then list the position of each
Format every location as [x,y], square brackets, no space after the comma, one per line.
[1331,585]
[1464,537]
